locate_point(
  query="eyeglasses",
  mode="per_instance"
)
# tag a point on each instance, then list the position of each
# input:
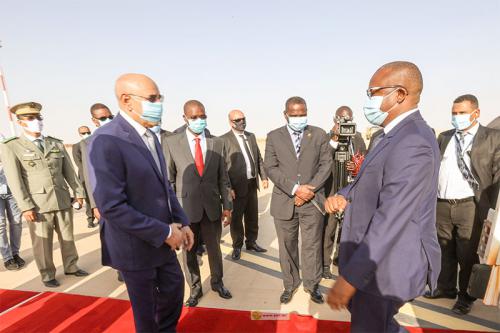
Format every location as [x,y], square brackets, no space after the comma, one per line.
[105,118]
[239,120]
[371,91]
[31,117]
[150,98]
[85,133]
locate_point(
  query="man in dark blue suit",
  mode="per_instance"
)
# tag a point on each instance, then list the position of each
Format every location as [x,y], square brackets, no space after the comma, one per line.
[142,223]
[389,250]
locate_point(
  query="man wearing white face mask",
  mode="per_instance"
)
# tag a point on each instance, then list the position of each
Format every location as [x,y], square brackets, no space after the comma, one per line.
[38,169]
[468,187]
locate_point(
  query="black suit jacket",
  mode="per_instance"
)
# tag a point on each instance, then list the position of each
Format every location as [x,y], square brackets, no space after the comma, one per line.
[485,165]
[235,161]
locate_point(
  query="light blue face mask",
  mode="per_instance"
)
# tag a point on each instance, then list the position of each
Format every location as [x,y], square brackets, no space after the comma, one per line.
[152,112]
[372,110]
[156,129]
[297,123]
[197,125]
[461,121]
[104,122]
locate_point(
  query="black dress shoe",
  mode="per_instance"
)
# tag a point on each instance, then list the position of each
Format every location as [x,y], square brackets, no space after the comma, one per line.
[78,273]
[120,276]
[327,274]
[462,307]
[256,248]
[51,284]
[19,260]
[236,255]
[335,261]
[11,265]
[223,292]
[91,225]
[438,293]
[316,296]
[193,301]
[287,295]
[201,250]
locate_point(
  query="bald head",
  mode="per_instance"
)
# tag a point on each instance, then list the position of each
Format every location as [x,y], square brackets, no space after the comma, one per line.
[83,131]
[402,73]
[235,115]
[136,84]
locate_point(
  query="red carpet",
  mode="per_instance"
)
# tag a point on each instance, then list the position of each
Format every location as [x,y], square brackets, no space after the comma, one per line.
[55,312]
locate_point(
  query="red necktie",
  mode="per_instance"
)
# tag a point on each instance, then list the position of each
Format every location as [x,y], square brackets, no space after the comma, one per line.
[198,157]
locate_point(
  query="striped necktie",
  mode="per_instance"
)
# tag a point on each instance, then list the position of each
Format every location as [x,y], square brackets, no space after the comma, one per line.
[296,142]
[464,169]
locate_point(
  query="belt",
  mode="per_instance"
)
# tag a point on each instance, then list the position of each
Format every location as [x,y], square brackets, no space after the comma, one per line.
[456,201]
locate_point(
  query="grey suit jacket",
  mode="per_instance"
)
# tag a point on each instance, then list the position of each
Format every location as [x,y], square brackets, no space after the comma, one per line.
[485,160]
[76,151]
[84,153]
[198,193]
[235,161]
[284,169]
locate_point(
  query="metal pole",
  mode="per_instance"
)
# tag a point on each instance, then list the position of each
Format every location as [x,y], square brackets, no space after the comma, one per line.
[6,102]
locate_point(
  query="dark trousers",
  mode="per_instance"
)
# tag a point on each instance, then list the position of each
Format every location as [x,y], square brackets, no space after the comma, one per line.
[330,226]
[245,208]
[156,296]
[211,232]
[88,209]
[310,221]
[458,234]
[371,313]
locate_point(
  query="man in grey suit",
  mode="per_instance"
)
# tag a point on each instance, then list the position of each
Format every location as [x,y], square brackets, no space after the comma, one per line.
[244,164]
[197,172]
[298,162]
[357,145]
[76,150]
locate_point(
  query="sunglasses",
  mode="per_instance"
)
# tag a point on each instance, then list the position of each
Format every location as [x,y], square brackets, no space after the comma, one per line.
[104,118]
[85,133]
[239,120]
[31,117]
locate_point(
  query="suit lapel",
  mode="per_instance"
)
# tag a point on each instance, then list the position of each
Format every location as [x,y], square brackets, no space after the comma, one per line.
[210,147]
[134,138]
[234,141]
[49,145]
[371,155]
[185,145]
[287,140]
[476,148]
[306,140]
[29,145]
[446,141]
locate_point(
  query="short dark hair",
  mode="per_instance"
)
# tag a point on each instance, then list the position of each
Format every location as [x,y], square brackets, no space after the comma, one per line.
[97,106]
[193,102]
[343,108]
[295,100]
[467,98]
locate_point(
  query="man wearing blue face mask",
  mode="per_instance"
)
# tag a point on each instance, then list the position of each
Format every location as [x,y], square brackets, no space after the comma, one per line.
[389,250]
[298,162]
[468,188]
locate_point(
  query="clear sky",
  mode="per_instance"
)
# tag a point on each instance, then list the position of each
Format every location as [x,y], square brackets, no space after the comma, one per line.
[251,55]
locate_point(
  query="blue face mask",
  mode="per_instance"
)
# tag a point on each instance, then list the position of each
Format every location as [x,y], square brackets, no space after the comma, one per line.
[461,121]
[297,123]
[372,110]
[152,112]
[104,122]
[156,129]
[198,125]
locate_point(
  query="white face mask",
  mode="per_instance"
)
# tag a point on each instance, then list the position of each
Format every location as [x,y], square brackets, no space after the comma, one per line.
[34,126]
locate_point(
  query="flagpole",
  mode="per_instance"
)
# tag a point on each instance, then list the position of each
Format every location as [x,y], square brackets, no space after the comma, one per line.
[6,102]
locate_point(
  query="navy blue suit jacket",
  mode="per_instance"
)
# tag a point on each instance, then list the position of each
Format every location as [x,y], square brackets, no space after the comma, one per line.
[389,243]
[135,199]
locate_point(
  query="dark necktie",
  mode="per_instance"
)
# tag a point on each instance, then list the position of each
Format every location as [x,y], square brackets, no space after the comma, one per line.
[296,142]
[247,150]
[150,141]
[39,144]
[464,169]
[198,156]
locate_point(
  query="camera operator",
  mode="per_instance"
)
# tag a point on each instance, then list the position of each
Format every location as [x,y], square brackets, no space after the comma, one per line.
[345,142]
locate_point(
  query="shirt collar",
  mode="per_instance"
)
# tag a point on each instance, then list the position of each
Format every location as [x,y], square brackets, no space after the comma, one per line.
[473,130]
[398,119]
[291,131]
[32,138]
[138,127]
[191,136]
[237,134]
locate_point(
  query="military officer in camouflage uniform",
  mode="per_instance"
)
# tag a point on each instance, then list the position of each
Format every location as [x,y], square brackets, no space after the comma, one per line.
[39,170]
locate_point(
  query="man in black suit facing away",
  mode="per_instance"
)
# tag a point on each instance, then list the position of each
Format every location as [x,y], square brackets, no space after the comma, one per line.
[469,179]
[357,145]
[244,164]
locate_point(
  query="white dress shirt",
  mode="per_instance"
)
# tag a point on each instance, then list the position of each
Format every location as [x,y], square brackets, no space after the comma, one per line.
[248,162]
[192,143]
[452,184]
[397,120]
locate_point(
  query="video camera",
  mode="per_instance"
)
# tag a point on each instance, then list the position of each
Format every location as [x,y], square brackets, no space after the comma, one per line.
[345,132]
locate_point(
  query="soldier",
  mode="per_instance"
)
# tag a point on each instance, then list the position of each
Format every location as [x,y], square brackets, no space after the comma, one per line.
[38,169]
